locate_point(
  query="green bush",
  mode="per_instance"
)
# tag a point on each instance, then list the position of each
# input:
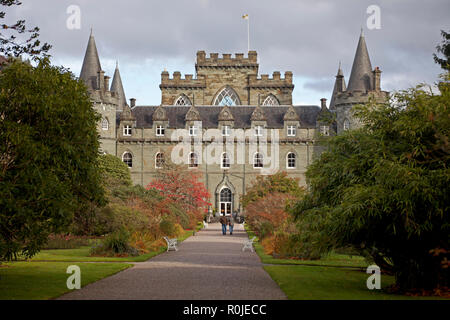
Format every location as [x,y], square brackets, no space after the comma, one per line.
[66,242]
[115,243]
[167,227]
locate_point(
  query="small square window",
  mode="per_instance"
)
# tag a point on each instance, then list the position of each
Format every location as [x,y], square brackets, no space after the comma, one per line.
[291,131]
[193,131]
[127,130]
[160,131]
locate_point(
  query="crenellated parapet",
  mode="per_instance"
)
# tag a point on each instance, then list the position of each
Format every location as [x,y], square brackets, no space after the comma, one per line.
[226,60]
[177,82]
[275,82]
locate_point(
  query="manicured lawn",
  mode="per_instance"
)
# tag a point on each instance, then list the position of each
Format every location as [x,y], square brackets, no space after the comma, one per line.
[46,280]
[82,254]
[333,277]
[329,283]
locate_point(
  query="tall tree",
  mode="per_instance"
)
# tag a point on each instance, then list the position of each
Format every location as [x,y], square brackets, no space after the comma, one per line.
[48,154]
[384,188]
[444,49]
[16,39]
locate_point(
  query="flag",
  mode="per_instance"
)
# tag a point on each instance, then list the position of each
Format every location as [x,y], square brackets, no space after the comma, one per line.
[245,16]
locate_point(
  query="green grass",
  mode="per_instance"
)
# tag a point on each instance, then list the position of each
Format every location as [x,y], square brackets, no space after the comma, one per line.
[332,259]
[330,283]
[82,254]
[47,280]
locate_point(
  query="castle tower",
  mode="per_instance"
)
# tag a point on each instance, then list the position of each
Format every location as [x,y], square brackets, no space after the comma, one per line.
[91,65]
[362,85]
[104,101]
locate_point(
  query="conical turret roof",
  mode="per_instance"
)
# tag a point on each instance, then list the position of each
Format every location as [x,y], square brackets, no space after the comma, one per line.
[339,82]
[361,69]
[117,87]
[91,64]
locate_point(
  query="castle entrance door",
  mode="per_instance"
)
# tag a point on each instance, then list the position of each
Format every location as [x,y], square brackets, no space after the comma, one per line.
[226,201]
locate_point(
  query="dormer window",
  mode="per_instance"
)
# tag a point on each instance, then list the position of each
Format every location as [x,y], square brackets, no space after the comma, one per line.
[160,131]
[291,131]
[226,130]
[127,130]
[193,131]
[258,131]
[325,130]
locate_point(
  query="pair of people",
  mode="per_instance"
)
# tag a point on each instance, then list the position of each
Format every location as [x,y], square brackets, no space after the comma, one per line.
[227,221]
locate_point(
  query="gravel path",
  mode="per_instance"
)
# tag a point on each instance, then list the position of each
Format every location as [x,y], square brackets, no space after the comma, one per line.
[208,266]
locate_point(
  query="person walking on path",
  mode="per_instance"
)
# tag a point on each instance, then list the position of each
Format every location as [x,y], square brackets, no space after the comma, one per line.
[231,224]
[224,222]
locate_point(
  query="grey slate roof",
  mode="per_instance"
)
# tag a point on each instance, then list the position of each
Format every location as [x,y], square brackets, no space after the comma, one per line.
[241,114]
[361,75]
[91,64]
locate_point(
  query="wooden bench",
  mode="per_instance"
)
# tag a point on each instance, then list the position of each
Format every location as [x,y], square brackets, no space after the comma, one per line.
[248,244]
[171,243]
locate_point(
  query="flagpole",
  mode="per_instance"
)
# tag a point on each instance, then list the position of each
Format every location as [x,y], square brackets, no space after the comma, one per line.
[248,34]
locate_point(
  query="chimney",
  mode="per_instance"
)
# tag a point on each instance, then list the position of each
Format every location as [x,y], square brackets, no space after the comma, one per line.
[376,79]
[323,103]
[107,83]
[101,80]
[132,102]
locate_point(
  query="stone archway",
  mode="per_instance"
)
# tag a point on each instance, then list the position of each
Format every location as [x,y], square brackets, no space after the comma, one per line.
[225,197]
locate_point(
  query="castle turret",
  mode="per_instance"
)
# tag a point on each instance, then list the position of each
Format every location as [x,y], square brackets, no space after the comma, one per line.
[339,86]
[363,84]
[117,88]
[91,65]
[361,75]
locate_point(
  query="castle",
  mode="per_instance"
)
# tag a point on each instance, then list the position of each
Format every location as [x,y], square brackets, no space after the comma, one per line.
[233,124]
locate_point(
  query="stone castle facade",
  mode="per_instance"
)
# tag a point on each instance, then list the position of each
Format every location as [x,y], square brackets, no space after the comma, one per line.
[237,124]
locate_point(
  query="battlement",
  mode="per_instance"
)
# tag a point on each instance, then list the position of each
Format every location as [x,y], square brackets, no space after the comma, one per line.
[238,61]
[178,82]
[264,81]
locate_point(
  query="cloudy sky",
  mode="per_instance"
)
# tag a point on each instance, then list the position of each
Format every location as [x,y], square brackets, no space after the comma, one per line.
[307,37]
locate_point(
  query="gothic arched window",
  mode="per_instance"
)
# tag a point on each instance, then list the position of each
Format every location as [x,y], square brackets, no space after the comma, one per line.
[183,100]
[127,158]
[271,100]
[105,124]
[159,160]
[227,97]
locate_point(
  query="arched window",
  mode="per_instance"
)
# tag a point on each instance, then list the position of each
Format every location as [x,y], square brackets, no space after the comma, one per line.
[258,160]
[271,100]
[105,124]
[346,124]
[291,160]
[225,163]
[183,100]
[193,160]
[226,200]
[127,157]
[227,97]
[159,160]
